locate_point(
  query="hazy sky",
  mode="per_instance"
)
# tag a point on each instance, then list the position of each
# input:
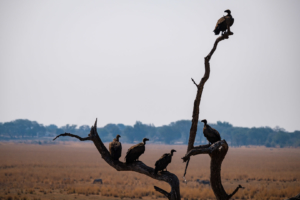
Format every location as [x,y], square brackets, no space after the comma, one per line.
[122,61]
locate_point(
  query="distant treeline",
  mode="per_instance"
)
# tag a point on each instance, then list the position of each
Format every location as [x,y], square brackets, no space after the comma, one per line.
[174,133]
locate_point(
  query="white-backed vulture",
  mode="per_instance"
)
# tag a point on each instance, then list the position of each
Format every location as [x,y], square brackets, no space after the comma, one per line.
[212,135]
[163,162]
[115,148]
[224,23]
[135,151]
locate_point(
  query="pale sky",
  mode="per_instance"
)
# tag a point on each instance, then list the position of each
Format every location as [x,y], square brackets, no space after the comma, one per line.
[69,62]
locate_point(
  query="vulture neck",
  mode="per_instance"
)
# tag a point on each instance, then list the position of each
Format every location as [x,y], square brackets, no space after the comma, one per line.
[144,142]
[117,139]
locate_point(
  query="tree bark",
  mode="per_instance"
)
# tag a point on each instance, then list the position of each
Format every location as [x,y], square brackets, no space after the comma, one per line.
[139,166]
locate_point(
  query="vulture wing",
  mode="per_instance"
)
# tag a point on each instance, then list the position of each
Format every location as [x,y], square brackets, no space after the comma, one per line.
[134,152]
[220,21]
[163,162]
[159,161]
[216,134]
[211,134]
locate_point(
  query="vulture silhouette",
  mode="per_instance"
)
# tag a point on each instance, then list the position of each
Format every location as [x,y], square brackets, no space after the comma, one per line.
[115,148]
[135,151]
[211,134]
[163,162]
[224,23]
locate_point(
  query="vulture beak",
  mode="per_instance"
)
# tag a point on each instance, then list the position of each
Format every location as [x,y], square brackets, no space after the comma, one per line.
[228,11]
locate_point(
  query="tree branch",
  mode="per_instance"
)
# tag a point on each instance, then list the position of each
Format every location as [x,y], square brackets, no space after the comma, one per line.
[200,86]
[204,149]
[167,194]
[194,82]
[218,150]
[139,166]
[72,135]
[233,193]
[219,39]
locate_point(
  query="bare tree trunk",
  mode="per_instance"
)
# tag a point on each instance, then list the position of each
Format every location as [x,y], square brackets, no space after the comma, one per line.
[218,150]
[200,86]
[139,166]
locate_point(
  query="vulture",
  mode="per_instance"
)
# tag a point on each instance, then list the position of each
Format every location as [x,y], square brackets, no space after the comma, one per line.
[163,162]
[115,148]
[212,135]
[224,23]
[135,151]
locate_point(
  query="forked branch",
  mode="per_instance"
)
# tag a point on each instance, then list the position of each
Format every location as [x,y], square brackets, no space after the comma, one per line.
[217,151]
[139,166]
[235,191]
[205,149]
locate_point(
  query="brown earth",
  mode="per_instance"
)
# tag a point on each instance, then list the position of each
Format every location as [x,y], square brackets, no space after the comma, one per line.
[67,171]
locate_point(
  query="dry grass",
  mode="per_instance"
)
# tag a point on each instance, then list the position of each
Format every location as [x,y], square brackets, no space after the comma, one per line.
[67,171]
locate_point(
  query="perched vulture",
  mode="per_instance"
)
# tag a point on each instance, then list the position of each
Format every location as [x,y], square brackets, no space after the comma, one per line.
[135,151]
[212,135]
[115,148]
[224,23]
[163,162]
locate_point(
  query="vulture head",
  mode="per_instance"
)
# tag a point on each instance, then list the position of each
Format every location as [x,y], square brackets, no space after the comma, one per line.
[145,139]
[172,151]
[204,121]
[228,11]
[117,137]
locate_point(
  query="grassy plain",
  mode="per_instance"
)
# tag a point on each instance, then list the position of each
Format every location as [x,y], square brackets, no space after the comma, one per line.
[67,171]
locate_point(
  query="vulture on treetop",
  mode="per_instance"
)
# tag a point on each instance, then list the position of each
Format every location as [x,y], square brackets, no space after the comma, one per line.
[163,162]
[224,23]
[212,135]
[115,148]
[135,151]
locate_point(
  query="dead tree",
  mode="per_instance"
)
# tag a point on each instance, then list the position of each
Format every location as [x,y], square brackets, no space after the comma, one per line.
[216,151]
[139,166]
